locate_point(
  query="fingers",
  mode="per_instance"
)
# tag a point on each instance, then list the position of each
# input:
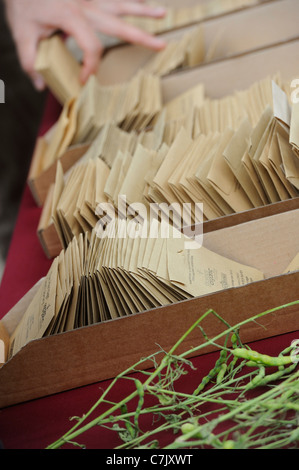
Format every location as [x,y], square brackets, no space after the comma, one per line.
[131,8]
[27,56]
[32,20]
[91,60]
[78,27]
[114,26]
[25,37]
[26,45]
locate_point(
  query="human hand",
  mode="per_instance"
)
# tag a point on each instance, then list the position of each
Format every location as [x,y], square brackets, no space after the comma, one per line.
[33,20]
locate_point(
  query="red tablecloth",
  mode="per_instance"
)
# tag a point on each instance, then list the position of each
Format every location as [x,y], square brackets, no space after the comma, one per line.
[26,262]
[36,424]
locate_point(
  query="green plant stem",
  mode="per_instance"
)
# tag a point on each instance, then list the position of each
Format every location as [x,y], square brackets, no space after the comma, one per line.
[182,441]
[75,431]
[164,427]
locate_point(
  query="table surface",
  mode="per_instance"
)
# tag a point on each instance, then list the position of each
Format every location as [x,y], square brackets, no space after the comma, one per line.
[38,423]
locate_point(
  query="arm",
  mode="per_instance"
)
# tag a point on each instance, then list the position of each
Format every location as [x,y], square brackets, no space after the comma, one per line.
[32,20]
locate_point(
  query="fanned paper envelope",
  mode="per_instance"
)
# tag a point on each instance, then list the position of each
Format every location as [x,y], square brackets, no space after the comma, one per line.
[202,271]
[233,154]
[123,269]
[290,162]
[59,68]
[39,313]
[293,266]
[294,134]
[224,181]
[63,133]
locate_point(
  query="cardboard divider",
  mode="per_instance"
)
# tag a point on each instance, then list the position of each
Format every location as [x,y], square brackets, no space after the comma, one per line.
[136,56]
[46,231]
[40,182]
[224,77]
[240,32]
[52,245]
[252,214]
[101,351]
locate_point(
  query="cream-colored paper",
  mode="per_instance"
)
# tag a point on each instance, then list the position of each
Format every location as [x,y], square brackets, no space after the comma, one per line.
[170,162]
[281,106]
[134,181]
[294,134]
[62,135]
[293,266]
[201,271]
[211,198]
[259,164]
[233,154]
[39,314]
[250,158]
[4,344]
[59,68]
[188,51]
[268,157]
[290,162]
[224,181]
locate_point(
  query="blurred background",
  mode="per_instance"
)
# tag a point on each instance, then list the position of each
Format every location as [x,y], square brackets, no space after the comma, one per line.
[19,120]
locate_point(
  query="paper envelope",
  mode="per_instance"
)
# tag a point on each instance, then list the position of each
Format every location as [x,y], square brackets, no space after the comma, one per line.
[268,156]
[224,181]
[294,134]
[233,154]
[290,162]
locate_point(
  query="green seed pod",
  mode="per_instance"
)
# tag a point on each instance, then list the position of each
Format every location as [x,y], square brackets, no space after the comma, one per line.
[229,444]
[294,435]
[198,431]
[262,358]
[251,364]
[234,340]
[277,375]
[221,373]
[242,353]
[258,378]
